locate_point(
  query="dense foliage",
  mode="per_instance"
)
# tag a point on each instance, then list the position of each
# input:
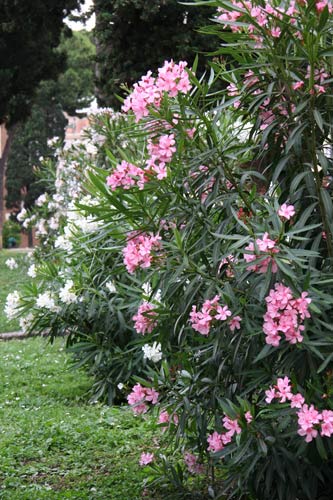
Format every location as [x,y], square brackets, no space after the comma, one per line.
[32,143]
[29,32]
[133,36]
[220,205]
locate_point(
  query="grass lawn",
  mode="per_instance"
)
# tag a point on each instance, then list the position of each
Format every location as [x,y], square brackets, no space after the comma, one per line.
[11,280]
[53,443]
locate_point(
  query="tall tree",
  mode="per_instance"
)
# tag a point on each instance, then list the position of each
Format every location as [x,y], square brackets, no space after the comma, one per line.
[133,36]
[29,32]
[72,90]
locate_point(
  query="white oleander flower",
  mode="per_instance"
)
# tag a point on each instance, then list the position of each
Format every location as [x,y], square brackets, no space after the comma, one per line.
[111,287]
[51,142]
[146,287]
[46,300]
[152,352]
[21,215]
[65,293]
[32,271]
[41,200]
[12,303]
[63,242]
[53,223]
[25,322]
[11,263]
[41,228]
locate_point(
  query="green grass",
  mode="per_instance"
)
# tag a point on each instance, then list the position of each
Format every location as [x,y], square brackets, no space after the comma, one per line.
[11,280]
[53,443]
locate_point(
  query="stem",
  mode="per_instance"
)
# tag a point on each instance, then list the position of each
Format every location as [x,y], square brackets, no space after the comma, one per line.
[318,180]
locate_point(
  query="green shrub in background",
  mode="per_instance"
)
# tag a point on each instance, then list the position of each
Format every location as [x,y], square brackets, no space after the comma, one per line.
[11,234]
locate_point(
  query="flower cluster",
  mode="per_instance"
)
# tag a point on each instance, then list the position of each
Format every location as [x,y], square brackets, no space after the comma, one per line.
[201,321]
[46,301]
[146,458]
[161,152]
[310,420]
[217,441]
[267,247]
[145,320]
[126,175]
[139,250]
[12,303]
[172,78]
[165,418]
[192,464]
[66,293]
[152,352]
[139,396]
[285,314]
[11,263]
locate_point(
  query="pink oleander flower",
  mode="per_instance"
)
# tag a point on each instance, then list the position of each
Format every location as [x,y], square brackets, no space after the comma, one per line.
[211,310]
[308,417]
[283,389]
[191,462]
[139,396]
[190,132]
[297,401]
[270,395]
[248,417]
[234,323]
[232,426]
[145,319]
[320,6]
[327,423]
[139,251]
[276,32]
[148,92]
[222,313]
[285,315]
[286,211]
[146,458]
[126,175]
[298,85]
[165,418]
[215,442]
[136,400]
[268,247]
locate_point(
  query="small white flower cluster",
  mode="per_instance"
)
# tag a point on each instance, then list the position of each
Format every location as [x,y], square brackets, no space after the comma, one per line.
[147,289]
[46,301]
[25,322]
[52,142]
[32,271]
[22,215]
[12,303]
[11,263]
[66,295]
[110,286]
[152,352]
[41,200]
[63,241]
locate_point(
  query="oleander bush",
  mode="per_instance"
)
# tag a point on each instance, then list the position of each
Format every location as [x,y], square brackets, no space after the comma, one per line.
[220,205]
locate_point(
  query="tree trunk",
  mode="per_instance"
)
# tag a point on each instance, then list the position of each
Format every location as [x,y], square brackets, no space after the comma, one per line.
[3,163]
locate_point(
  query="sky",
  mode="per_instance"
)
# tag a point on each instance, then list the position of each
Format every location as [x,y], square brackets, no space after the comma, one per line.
[76,26]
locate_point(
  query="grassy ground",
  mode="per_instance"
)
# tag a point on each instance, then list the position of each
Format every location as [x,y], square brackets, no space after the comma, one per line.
[11,280]
[53,444]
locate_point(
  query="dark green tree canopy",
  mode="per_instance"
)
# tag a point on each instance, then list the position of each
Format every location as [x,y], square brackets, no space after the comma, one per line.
[133,36]
[29,32]
[71,91]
